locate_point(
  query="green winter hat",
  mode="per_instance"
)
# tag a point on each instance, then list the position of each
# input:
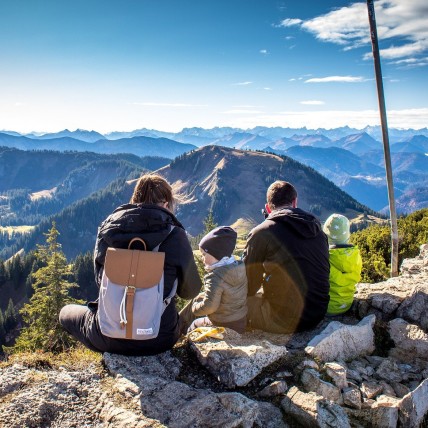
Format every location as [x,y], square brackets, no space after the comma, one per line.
[336,227]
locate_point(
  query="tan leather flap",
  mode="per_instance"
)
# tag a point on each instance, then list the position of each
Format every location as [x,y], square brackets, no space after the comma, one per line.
[141,269]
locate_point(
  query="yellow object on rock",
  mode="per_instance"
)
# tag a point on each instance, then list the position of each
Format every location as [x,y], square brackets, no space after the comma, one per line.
[215,332]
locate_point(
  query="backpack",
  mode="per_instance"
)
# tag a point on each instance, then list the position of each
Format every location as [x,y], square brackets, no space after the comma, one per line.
[131,300]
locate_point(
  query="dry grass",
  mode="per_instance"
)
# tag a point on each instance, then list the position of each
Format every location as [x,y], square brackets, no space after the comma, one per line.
[78,358]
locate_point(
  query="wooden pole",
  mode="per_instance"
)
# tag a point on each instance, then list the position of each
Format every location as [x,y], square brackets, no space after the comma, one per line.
[385,138]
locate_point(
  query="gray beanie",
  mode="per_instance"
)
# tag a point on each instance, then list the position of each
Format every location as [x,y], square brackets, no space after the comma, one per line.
[220,242]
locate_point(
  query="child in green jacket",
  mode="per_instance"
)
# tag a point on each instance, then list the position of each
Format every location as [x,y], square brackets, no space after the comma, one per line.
[345,264]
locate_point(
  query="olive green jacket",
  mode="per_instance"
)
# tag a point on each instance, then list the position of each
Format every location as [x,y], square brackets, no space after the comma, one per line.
[345,272]
[225,294]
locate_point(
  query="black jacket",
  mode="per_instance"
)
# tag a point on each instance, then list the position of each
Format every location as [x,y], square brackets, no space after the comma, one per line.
[152,224]
[288,255]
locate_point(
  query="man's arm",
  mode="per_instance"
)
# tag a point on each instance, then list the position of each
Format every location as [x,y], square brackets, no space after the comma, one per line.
[254,256]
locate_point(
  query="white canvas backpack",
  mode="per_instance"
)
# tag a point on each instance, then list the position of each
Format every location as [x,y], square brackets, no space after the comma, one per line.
[131,300]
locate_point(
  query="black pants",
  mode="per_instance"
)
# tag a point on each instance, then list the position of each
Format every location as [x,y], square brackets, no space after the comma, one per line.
[82,323]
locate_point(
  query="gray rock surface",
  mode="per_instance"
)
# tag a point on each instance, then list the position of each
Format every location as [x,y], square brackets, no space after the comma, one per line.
[312,382]
[414,406]
[337,372]
[410,341]
[312,410]
[343,342]
[236,360]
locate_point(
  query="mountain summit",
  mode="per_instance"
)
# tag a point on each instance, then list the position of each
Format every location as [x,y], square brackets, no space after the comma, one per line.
[233,183]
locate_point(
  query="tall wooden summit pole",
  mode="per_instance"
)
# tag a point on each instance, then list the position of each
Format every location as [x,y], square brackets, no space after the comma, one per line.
[385,138]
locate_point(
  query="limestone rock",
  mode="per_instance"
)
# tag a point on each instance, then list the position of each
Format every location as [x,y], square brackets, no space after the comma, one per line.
[148,385]
[269,416]
[413,309]
[387,389]
[400,389]
[410,341]
[414,406]
[312,383]
[337,372]
[235,361]
[385,296]
[352,396]
[312,410]
[273,389]
[389,371]
[371,389]
[386,401]
[343,342]
[379,417]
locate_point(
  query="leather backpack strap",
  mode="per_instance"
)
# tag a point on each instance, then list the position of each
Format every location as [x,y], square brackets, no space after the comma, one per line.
[130,293]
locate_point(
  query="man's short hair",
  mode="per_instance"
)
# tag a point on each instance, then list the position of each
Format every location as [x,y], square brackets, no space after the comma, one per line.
[280,193]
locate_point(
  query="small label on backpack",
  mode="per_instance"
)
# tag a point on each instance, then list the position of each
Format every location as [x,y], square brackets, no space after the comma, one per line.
[144,331]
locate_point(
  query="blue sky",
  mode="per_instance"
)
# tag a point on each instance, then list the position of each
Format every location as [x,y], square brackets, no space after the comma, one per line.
[168,64]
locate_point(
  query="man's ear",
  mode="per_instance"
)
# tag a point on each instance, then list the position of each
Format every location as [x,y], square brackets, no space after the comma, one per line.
[294,203]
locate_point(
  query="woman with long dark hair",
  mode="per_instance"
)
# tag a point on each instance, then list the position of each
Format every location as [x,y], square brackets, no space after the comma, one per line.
[148,216]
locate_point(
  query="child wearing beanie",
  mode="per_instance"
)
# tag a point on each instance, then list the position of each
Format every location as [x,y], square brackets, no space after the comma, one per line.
[223,300]
[345,264]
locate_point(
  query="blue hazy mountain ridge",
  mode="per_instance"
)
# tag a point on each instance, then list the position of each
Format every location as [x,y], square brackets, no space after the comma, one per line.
[141,146]
[363,185]
[78,134]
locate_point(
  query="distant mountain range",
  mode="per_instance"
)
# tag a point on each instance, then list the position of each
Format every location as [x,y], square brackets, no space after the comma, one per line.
[209,178]
[353,159]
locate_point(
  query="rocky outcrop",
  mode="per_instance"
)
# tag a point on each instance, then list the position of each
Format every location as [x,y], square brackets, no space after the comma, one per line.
[368,368]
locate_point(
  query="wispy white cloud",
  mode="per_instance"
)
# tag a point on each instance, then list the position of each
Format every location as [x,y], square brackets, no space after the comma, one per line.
[263,51]
[242,111]
[242,83]
[20,104]
[289,22]
[412,62]
[292,79]
[401,22]
[341,79]
[151,104]
[312,103]
[244,106]
[267,88]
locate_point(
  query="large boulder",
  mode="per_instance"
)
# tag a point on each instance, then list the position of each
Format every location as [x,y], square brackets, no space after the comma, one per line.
[414,406]
[150,387]
[343,342]
[414,308]
[410,341]
[236,360]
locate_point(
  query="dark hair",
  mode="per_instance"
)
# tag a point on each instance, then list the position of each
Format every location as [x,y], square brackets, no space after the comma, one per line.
[153,189]
[280,193]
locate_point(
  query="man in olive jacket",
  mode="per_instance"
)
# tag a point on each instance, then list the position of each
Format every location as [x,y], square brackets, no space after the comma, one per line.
[287,263]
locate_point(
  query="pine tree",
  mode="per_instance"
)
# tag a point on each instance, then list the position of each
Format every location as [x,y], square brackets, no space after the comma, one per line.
[209,223]
[10,318]
[2,329]
[51,286]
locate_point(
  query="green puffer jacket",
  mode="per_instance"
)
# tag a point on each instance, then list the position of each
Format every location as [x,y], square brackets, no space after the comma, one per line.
[345,272]
[225,294]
